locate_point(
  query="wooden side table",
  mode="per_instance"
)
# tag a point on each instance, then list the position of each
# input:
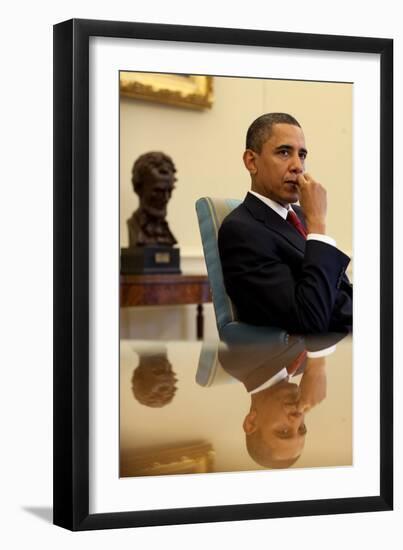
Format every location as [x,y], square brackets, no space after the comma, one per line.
[166,290]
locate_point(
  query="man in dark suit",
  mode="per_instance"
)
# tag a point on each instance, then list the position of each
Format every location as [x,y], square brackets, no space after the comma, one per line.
[280,268]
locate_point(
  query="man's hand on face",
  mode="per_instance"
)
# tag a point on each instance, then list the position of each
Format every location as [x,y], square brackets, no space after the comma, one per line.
[314,203]
[313,384]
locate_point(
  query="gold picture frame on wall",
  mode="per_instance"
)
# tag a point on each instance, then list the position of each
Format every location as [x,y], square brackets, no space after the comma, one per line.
[187,90]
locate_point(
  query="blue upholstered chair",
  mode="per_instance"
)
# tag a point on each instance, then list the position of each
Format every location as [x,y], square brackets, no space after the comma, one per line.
[210,213]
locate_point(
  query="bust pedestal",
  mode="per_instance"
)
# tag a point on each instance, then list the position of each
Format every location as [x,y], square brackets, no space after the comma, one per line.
[149,259]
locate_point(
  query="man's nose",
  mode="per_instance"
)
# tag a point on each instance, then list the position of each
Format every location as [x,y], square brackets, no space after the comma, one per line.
[295,416]
[297,165]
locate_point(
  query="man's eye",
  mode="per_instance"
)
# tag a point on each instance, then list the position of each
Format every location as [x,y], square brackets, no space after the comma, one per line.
[302,156]
[284,153]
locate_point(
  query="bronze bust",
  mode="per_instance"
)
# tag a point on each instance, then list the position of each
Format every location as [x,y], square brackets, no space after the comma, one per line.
[153,178]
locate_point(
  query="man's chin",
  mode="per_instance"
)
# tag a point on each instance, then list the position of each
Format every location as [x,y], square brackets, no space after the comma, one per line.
[291,193]
[293,197]
[290,199]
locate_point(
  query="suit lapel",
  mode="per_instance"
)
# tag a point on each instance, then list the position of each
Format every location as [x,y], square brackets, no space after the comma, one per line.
[274,221]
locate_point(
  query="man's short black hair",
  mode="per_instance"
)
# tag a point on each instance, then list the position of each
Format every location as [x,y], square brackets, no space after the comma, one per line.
[260,130]
[262,453]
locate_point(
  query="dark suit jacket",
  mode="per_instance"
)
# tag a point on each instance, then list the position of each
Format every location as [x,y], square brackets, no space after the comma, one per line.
[275,277]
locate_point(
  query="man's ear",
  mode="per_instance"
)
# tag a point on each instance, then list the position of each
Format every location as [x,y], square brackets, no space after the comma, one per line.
[249,160]
[249,424]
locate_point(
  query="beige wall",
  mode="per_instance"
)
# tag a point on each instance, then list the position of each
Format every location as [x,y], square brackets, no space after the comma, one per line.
[207,148]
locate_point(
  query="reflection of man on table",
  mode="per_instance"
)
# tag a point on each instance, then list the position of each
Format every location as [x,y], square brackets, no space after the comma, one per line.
[280,268]
[275,424]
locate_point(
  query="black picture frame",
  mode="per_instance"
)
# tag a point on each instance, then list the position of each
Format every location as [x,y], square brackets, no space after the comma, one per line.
[72,285]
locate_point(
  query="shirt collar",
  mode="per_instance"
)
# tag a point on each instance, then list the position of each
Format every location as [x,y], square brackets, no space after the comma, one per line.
[281,210]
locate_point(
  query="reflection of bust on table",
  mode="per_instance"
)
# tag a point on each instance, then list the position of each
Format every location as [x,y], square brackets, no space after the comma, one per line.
[153,178]
[153,380]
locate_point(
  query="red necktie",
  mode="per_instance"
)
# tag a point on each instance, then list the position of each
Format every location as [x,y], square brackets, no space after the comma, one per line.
[293,219]
[297,363]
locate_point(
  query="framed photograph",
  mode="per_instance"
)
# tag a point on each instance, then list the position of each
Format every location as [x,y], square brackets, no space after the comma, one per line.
[127,344]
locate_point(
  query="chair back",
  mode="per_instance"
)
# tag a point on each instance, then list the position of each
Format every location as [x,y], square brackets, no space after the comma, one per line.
[210,213]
